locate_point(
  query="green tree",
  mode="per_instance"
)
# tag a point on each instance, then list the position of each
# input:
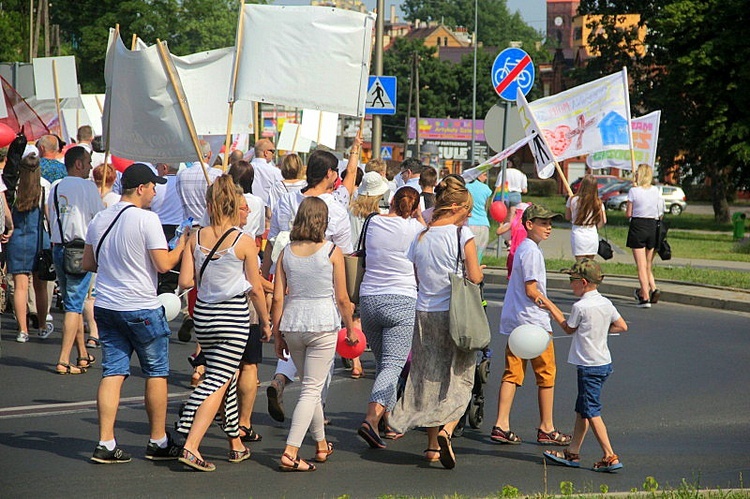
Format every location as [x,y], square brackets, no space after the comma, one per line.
[14,31]
[694,72]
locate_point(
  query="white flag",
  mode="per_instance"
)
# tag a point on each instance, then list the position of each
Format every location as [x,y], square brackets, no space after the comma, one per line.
[543,157]
[306,57]
[645,131]
[587,118]
[473,173]
[142,115]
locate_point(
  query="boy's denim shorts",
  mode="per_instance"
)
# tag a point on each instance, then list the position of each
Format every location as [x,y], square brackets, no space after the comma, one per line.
[122,332]
[590,381]
[74,288]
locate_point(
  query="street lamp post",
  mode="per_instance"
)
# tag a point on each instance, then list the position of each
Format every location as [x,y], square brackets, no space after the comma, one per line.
[377,123]
[474,87]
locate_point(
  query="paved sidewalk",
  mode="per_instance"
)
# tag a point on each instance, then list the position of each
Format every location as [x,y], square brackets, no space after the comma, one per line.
[558,246]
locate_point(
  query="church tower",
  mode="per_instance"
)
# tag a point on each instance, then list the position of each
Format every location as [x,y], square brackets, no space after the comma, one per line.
[560,15]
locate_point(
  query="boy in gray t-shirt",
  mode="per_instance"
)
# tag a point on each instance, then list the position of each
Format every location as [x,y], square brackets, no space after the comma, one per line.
[592,318]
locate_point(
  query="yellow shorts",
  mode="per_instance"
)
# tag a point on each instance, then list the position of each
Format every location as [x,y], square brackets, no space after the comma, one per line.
[544,367]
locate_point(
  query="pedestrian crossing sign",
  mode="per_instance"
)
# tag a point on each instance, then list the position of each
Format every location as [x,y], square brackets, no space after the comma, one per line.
[381,95]
[386,152]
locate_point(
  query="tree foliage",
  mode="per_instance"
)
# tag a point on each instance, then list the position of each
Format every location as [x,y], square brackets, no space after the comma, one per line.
[694,72]
[14,31]
[188,26]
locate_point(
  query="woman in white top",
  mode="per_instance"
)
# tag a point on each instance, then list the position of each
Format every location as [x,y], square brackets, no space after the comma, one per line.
[441,376]
[309,294]
[586,211]
[387,301]
[645,208]
[243,175]
[222,318]
[109,197]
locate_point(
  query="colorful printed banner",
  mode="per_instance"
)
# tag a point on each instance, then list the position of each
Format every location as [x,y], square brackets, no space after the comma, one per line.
[587,118]
[445,129]
[645,132]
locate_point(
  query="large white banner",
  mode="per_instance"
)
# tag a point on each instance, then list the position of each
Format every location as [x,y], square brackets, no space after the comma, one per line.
[44,77]
[206,78]
[305,57]
[142,115]
[587,118]
[645,131]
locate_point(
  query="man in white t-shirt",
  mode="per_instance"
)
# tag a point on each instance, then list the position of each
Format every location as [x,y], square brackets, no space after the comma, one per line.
[191,185]
[127,248]
[266,173]
[168,208]
[72,202]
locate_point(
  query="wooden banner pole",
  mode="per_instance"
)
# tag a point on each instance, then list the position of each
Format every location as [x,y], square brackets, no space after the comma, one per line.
[181,99]
[57,97]
[235,72]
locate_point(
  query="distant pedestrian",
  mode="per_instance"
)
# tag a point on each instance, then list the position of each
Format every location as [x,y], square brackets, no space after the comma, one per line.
[593,317]
[586,211]
[645,208]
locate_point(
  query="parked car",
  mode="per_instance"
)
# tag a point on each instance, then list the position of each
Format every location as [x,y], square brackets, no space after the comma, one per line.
[614,189]
[601,182]
[674,200]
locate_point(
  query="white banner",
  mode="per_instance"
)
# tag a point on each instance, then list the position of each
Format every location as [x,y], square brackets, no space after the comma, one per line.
[320,127]
[94,106]
[206,78]
[543,157]
[291,139]
[44,80]
[306,57]
[587,118]
[142,115]
[645,131]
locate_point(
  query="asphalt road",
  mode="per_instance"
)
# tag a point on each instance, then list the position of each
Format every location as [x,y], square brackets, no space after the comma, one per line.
[677,408]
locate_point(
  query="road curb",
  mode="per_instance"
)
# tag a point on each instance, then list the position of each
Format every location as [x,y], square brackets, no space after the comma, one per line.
[683,293]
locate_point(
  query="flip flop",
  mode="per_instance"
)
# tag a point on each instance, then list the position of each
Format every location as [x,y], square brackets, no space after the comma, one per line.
[370,436]
[564,458]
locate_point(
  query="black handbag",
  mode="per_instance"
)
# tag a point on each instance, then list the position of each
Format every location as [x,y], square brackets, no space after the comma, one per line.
[44,265]
[605,249]
[662,245]
[72,250]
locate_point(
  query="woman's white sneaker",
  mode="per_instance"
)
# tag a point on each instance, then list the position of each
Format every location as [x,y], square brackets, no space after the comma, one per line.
[22,337]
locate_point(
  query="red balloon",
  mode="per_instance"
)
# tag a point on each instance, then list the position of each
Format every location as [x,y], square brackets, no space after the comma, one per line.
[498,211]
[120,164]
[348,351]
[7,135]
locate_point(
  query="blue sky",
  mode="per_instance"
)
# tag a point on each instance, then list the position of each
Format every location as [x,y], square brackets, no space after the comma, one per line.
[534,12]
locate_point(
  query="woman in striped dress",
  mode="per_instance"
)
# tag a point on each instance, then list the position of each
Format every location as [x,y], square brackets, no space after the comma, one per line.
[223,263]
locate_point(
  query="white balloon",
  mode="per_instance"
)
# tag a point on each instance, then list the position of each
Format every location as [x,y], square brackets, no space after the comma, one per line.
[528,341]
[171,303]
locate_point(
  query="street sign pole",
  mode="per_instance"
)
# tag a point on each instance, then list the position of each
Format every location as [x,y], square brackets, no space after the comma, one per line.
[377,124]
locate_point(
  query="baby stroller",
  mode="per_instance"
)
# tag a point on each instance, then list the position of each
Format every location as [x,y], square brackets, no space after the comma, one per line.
[475,410]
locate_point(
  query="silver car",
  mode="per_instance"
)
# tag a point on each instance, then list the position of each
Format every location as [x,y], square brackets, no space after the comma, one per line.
[674,200]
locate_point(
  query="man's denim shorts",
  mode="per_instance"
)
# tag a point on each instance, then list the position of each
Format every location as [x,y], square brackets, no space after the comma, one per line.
[74,288]
[144,331]
[590,381]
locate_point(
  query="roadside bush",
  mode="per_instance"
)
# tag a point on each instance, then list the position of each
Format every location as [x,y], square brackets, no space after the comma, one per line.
[542,187]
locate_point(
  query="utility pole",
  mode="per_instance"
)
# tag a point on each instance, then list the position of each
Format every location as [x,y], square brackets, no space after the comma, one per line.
[408,109]
[377,123]
[46,28]
[474,87]
[416,95]
[31,30]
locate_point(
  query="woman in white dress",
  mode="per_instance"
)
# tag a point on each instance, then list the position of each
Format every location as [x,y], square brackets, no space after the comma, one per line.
[586,211]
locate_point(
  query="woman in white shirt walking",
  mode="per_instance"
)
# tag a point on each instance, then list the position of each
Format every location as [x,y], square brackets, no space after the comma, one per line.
[388,297]
[645,208]
[441,376]
[586,211]
[309,294]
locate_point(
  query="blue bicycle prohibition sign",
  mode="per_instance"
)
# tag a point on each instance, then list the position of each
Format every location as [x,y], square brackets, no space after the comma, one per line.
[512,69]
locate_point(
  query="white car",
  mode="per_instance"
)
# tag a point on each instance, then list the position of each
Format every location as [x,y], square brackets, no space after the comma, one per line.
[674,200]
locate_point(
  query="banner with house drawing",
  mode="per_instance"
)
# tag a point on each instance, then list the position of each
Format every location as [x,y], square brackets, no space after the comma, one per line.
[645,130]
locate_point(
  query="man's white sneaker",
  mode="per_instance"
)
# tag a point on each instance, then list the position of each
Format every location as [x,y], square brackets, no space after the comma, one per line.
[49,328]
[22,337]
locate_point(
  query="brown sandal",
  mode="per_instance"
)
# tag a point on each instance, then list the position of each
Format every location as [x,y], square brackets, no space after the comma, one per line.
[431,459]
[566,458]
[295,464]
[69,369]
[554,437]
[321,456]
[608,464]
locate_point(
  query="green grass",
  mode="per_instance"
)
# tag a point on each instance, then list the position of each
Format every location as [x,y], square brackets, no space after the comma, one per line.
[687,273]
